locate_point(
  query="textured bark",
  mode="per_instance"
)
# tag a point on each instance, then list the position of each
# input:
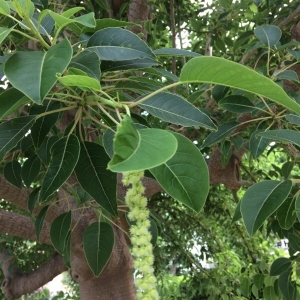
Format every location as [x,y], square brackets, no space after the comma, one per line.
[15,284]
[139,12]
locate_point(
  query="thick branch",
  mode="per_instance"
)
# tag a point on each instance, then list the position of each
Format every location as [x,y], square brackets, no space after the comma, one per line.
[14,287]
[22,226]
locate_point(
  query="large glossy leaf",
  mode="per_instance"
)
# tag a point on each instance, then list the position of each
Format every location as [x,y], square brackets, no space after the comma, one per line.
[87,62]
[282,135]
[34,72]
[217,70]
[174,109]
[257,144]
[280,265]
[42,125]
[98,243]
[142,149]
[224,130]
[268,34]
[64,156]
[10,101]
[59,231]
[287,287]
[185,176]
[93,176]
[12,131]
[261,200]
[286,214]
[175,52]
[30,170]
[116,44]
[12,173]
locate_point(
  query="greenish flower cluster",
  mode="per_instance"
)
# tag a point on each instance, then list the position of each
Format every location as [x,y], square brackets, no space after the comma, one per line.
[140,236]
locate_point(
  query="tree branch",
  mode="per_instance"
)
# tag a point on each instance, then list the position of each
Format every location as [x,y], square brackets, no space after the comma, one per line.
[15,285]
[22,226]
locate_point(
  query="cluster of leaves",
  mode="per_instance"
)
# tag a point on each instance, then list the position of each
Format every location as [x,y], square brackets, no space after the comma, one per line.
[104,74]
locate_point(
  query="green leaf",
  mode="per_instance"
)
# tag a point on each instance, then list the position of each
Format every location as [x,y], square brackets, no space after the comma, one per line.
[226,150]
[237,213]
[261,200]
[66,254]
[4,8]
[294,119]
[280,265]
[297,206]
[282,135]
[175,52]
[217,70]
[10,100]
[82,195]
[39,222]
[258,280]
[30,170]
[109,66]
[287,287]
[286,169]
[285,214]
[174,109]
[219,92]
[64,156]
[93,176]
[34,72]
[185,176]
[237,104]
[116,44]
[4,32]
[288,75]
[269,293]
[87,62]
[12,173]
[294,53]
[294,243]
[64,19]
[98,243]
[42,125]
[59,230]
[44,150]
[257,144]
[132,147]
[84,82]
[224,130]
[268,34]
[12,131]
[33,198]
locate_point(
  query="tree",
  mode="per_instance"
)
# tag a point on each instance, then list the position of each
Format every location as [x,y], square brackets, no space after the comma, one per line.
[93,122]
